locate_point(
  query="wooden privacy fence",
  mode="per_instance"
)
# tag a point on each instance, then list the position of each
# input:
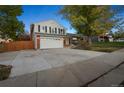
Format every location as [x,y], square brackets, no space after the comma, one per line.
[16,45]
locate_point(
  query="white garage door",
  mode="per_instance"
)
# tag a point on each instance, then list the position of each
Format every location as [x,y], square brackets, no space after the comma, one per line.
[51,42]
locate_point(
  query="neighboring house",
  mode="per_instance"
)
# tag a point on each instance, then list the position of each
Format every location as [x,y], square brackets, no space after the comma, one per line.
[48,34]
[105,37]
[24,37]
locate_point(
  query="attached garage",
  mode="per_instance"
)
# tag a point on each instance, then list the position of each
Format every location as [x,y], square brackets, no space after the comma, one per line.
[51,42]
[46,42]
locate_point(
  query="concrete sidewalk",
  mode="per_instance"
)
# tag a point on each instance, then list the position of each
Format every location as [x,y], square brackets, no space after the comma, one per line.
[112,79]
[76,74]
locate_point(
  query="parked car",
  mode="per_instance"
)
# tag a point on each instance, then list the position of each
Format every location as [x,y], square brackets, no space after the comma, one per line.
[5,40]
[2,40]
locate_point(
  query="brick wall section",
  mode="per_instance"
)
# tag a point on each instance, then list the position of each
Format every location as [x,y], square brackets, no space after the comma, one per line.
[38,41]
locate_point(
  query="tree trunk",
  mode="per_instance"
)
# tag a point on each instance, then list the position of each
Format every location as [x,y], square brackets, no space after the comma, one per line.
[89,40]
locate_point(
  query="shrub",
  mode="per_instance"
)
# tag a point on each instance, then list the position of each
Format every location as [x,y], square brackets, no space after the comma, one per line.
[5,71]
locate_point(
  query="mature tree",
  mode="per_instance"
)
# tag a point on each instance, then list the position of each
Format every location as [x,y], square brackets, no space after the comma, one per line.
[119,34]
[10,26]
[90,20]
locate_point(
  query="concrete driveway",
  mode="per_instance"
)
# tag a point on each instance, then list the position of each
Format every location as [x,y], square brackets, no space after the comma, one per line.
[28,61]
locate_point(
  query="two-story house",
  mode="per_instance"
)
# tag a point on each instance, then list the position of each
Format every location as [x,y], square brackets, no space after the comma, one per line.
[48,34]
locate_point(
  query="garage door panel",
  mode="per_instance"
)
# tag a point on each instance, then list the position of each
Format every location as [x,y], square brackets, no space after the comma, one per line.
[51,42]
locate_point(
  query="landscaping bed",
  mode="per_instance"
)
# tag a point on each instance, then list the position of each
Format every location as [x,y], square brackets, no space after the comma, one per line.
[5,71]
[105,49]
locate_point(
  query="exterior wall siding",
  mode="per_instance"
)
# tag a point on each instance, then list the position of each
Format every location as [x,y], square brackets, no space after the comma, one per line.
[51,24]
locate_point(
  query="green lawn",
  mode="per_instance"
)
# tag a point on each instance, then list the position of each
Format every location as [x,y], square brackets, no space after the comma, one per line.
[107,46]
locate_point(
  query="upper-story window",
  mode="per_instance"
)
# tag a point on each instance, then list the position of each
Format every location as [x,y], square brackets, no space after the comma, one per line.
[50,30]
[38,28]
[59,30]
[63,31]
[55,30]
[45,29]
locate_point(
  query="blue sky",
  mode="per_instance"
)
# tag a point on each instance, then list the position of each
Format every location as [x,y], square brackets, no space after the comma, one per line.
[37,13]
